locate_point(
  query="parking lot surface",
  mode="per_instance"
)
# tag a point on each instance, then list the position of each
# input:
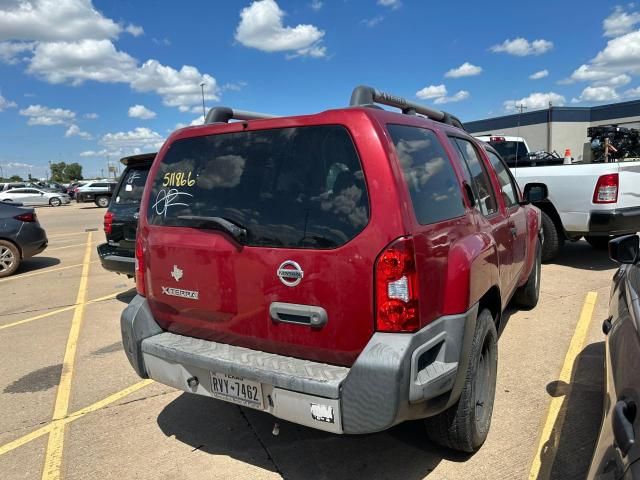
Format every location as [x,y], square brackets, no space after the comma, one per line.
[73,408]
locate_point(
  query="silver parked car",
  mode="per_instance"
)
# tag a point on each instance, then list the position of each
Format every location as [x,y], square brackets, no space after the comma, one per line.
[34,196]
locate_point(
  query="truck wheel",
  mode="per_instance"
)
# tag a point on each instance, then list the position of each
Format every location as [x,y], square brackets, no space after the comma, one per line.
[553,241]
[102,201]
[9,258]
[599,243]
[464,426]
[526,296]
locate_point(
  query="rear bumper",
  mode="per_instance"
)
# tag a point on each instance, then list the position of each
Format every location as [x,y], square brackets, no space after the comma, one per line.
[32,240]
[397,377]
[114,260]
[615,222]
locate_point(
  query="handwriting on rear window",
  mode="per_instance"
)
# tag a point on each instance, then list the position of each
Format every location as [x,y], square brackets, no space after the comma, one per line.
[178,179]
[133,176]
[169,198]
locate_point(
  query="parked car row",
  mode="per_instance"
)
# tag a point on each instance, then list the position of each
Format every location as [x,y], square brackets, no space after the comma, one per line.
[34,196]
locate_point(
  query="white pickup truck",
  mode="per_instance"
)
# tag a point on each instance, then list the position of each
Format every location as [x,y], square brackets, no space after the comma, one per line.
[592,200]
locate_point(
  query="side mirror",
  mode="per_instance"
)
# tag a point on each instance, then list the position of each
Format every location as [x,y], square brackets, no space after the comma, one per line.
[535,192]
[625,249]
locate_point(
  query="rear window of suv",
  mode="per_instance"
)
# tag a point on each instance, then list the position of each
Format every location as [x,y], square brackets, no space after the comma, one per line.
[428,173]
[297,187]
[132,186]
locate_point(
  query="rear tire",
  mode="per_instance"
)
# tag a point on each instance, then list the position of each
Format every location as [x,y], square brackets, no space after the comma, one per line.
[102,201]
[55,202]
[527,296]
[9,258]
[599,243]
[553,241]
[465,425]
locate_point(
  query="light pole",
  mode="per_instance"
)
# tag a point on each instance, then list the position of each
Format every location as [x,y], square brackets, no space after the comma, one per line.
[204,113]
[1,173]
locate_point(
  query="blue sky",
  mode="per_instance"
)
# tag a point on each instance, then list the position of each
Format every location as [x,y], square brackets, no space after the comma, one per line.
[89,81]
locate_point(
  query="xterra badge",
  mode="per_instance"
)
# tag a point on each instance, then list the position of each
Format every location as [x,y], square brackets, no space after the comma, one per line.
[178,292]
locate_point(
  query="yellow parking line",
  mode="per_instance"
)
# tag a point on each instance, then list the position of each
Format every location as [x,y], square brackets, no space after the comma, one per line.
[546,444]
[73,417]
[68,246]
[59,310]
[53,460]
[41,272]
[65,234]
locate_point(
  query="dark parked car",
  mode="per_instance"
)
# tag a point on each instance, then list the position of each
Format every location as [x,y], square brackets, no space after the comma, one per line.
[346,271]
[21,236]
[121,219]
[617,455]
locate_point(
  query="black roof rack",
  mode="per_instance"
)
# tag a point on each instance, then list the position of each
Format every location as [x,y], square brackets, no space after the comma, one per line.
[224,114]
[364,96]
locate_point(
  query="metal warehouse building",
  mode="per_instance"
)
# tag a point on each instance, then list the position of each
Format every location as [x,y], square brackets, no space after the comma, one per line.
[559,128]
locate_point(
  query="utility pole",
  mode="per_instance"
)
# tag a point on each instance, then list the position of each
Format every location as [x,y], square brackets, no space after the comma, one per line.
[521,108]
[204,112]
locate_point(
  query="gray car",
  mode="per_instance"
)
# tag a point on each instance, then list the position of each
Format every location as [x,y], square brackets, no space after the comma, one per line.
[21,236]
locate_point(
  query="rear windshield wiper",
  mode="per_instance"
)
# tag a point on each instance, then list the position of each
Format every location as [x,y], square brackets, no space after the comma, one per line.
[238,232]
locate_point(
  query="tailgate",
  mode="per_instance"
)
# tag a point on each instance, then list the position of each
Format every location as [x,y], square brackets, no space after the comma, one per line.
[629,178]
[300,282]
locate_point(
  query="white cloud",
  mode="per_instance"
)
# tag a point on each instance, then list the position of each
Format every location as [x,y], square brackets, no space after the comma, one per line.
[91,116]
[458,97]
[620,22]
[54,20]
[538,75]
[142,112]
[233,86]
[139,138]
[4,103]
[134,30]
[373,21]
[598,94]
[521,47]
[632,93]
[74,131]
[535,101]
[261,27]
[178,88]
[94,153]
[316,5]
[390,3]
[432,91]
[77,62]
[621,55]
[617,81]
[10,51]
[465,70]
[39,115]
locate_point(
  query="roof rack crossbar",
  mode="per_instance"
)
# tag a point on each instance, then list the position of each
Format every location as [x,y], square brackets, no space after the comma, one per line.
[365,96]
[224,114]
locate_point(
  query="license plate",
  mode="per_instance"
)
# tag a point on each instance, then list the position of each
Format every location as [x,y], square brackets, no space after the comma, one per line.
[237,390]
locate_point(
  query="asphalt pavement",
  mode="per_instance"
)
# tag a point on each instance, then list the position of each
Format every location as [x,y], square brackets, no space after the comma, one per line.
[72,407]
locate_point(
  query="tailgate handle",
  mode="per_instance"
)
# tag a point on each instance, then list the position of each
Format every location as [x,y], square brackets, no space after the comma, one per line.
[315,317]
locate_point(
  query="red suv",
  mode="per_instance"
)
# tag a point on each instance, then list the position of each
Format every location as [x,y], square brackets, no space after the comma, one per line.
[346,271]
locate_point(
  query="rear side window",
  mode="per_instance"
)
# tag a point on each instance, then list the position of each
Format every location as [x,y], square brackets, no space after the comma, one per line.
[291,187]
[482,189]
[507,184]
[512,152]
[132,186]
[431,180]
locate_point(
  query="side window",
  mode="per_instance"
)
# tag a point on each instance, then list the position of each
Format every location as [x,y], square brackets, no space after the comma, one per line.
[481,185]
[507,185]
[428,173]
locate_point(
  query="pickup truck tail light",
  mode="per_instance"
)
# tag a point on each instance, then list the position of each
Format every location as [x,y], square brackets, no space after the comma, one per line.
[397,305]
[108,222]
[26,217]
[606,189]
[140,286]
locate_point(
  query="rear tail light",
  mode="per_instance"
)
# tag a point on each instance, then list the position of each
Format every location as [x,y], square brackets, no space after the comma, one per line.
[496,139]
[27,217]
[108,222]
[140,286]
[397,288]
[606,189]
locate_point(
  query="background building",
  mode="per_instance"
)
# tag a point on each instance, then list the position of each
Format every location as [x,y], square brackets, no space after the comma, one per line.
[559,128]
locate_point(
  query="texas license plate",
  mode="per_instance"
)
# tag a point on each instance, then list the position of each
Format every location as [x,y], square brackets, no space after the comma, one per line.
[236,390]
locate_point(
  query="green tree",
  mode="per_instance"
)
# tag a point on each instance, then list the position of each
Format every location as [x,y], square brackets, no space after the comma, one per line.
[61,172]
[15,178]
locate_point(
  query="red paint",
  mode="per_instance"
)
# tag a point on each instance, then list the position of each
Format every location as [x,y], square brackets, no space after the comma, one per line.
[456,261]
